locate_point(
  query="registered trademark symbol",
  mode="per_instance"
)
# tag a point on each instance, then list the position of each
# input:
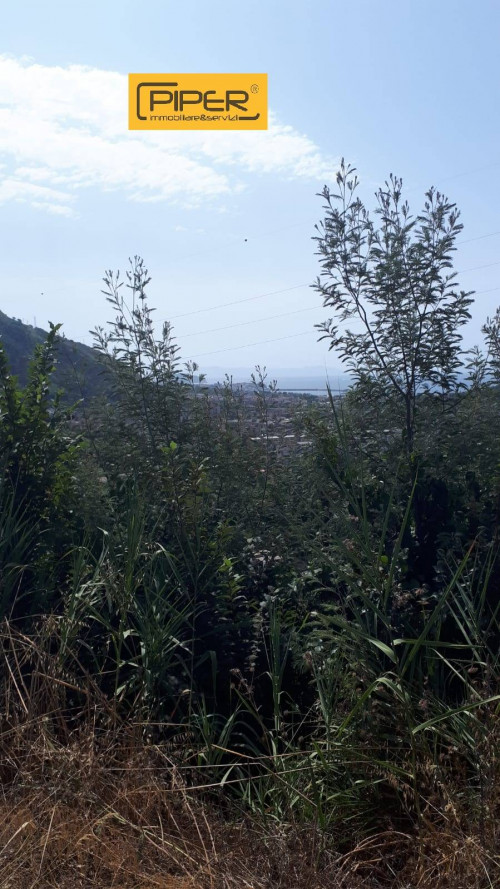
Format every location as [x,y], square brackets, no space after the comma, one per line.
[254,88]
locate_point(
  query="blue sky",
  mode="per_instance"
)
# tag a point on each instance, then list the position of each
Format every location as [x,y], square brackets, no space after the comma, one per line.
[405,87]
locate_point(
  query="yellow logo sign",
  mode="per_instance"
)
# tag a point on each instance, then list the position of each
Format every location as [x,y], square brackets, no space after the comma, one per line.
[197,102]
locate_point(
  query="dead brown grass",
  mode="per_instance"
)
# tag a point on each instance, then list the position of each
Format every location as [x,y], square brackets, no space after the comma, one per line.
[116,814]
[87,803]
[112,811]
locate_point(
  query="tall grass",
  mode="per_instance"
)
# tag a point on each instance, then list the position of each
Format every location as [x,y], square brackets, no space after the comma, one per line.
[228,649]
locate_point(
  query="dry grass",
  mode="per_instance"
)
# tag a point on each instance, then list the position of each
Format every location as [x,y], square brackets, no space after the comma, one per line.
[110,811]
[121,817]
[87,803]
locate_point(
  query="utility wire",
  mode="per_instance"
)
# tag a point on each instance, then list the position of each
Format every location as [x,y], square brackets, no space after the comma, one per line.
[238,301]
[184,336]
[479,238]
[476,268]
[279,339]
[247,345]
[297,287]
[253,321]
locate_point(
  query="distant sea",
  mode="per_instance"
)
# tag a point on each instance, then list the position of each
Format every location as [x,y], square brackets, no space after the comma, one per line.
[311,381]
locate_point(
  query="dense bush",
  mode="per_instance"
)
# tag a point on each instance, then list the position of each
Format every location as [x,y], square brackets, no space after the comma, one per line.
[319,626]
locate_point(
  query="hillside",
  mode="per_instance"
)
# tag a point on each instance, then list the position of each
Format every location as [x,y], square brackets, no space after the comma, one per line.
[78,370]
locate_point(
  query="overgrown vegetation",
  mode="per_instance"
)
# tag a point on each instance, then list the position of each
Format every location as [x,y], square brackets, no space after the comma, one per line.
[230,662]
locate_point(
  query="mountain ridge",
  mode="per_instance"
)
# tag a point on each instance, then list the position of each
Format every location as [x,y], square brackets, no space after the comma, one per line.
[78,370]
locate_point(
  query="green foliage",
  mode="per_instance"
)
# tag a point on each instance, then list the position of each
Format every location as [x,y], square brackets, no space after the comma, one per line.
[37,454]
[395,282]
[314,630]
[491,332]
[77,370]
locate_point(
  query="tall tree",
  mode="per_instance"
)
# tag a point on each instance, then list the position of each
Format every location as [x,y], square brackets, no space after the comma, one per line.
[491,332]
[392,275]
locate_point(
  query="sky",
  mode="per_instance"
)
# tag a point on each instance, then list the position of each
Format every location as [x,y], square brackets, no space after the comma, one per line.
[225,221]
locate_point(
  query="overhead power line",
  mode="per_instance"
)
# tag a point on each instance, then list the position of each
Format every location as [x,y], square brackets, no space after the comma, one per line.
[278,339]
[238,301]
[275,292]
[253,321]
[247,345]
[490,290]
[476,268]
[184,336]
[479,238]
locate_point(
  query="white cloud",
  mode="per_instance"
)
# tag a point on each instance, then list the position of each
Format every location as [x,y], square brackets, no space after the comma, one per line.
[39,196]
[64,129]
